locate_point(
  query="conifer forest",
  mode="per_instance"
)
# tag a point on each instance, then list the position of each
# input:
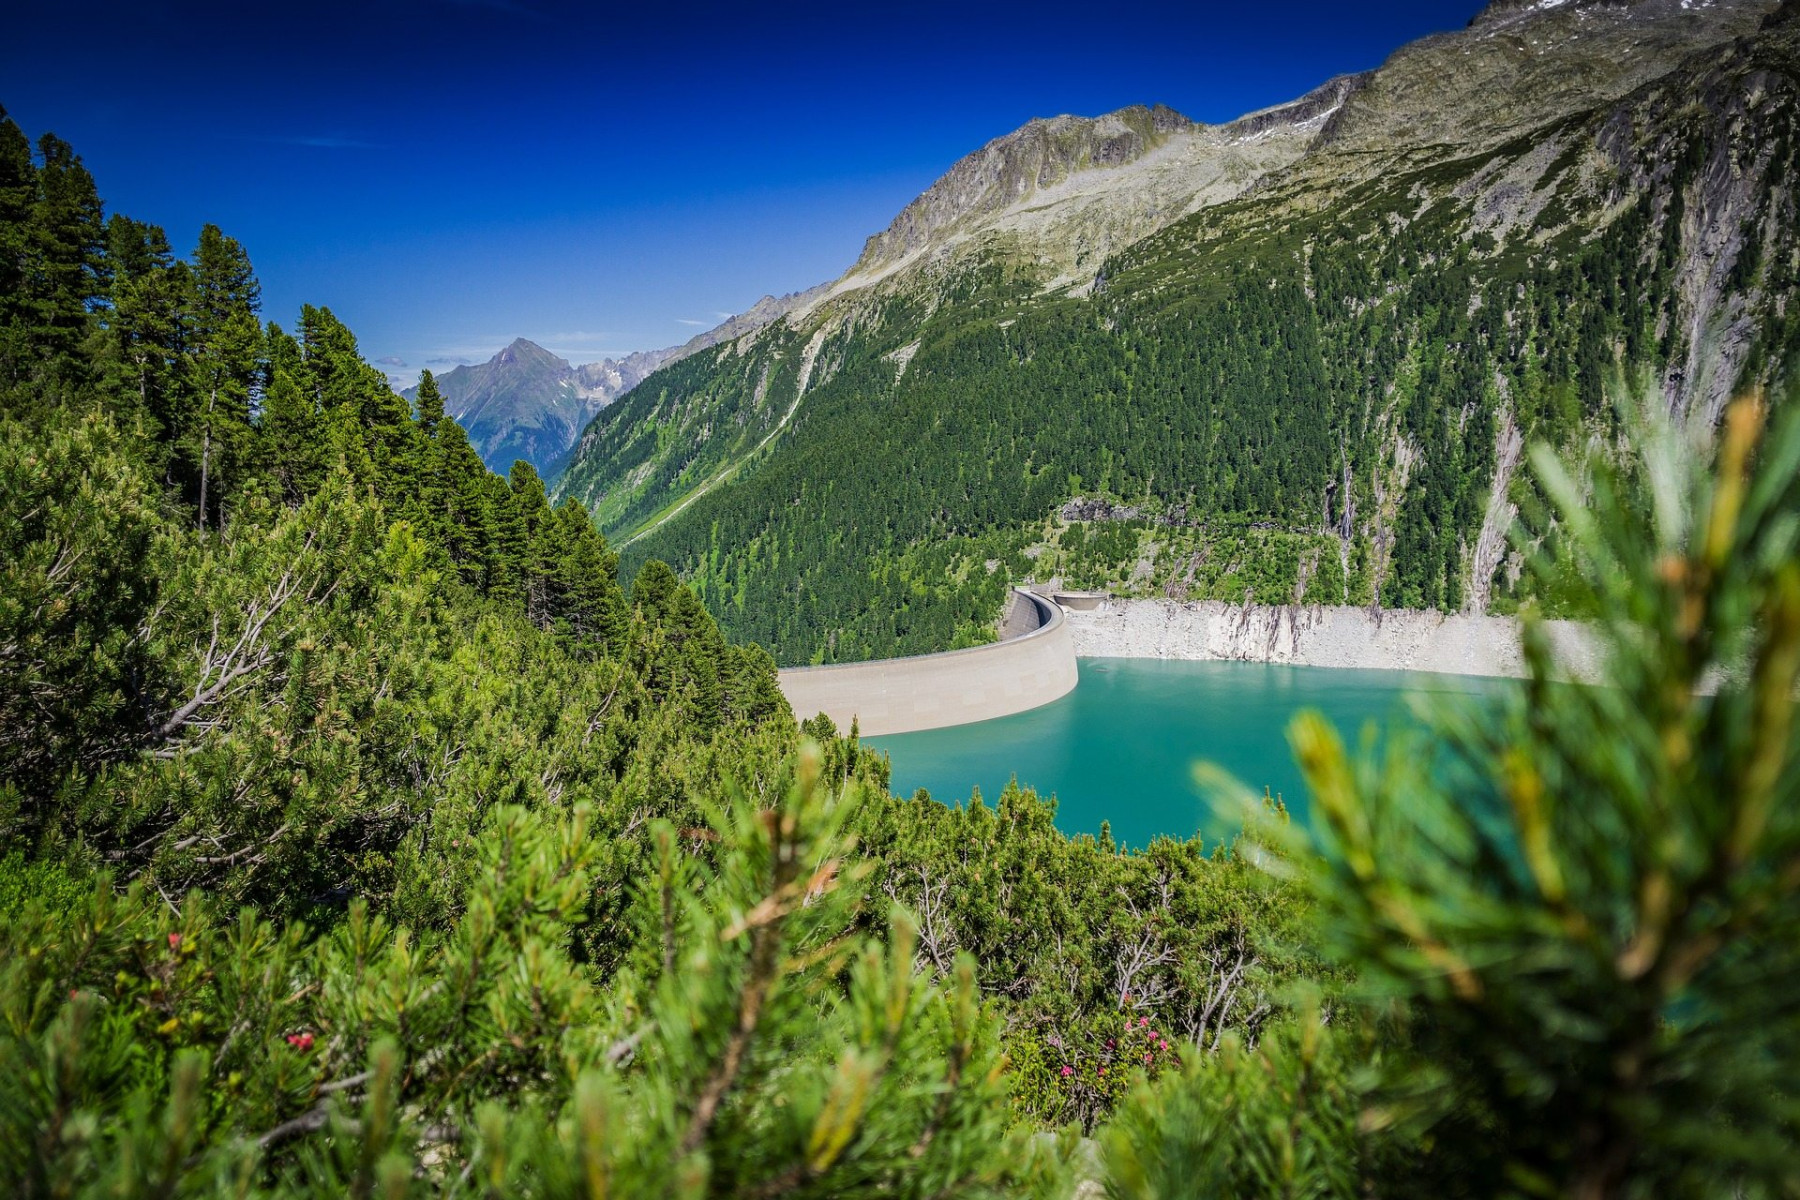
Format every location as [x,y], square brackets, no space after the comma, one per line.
[371,825]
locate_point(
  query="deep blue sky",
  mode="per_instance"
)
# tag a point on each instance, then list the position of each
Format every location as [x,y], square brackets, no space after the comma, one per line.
[449,174]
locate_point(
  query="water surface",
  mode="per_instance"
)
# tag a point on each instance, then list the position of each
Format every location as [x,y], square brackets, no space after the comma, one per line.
[1121,747]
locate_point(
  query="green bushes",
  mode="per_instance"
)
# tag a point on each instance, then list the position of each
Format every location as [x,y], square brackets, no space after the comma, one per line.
[1591,938]
[359,835]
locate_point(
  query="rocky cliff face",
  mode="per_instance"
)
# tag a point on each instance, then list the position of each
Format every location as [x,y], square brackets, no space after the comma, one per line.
[1517,68]
[1060,195]
[607,380]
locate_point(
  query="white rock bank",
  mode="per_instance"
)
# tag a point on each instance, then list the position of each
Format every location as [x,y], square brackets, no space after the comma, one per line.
[1321,636]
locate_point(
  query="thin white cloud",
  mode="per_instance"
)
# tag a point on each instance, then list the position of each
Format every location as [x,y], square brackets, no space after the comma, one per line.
[689,321]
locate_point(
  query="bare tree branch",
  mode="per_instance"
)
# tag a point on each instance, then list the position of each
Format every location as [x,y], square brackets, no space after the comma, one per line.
[228,669]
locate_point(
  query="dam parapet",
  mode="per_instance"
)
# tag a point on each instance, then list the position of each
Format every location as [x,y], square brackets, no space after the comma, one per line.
[1032,664]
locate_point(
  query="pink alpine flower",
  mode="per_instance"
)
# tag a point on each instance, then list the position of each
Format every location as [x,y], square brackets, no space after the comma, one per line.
[1067,1070]
[174,941]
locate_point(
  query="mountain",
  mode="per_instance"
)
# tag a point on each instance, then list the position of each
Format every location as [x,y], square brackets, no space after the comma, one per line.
[1292,357]
[1062,194]
[526,402]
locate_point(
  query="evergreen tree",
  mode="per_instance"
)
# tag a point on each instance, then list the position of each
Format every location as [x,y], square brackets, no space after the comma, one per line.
[150,298]
[224,346]
[18,187]
[1593,935]
[79,537]
[65,253]
[680,649]
[460,488]
[372,426]
[292,436]
[584,578]
[430,405]
[531,545]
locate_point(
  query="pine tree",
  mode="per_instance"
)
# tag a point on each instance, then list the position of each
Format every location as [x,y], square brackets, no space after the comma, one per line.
[292,437]
[79,526]
[531,544]
[224,345]
[584,578]
[430,405]
[18,187]
[680,648]
[460,486]
[1593,937]
[65,253]
[149,297]
[371,423]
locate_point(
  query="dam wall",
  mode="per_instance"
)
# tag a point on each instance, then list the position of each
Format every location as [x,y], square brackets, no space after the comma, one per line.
[1323,636]
[1033,664]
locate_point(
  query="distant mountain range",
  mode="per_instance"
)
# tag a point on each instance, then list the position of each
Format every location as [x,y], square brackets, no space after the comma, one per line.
[527,403]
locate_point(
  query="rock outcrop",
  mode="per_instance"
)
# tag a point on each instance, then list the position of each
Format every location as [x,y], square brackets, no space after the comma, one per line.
[1321,636]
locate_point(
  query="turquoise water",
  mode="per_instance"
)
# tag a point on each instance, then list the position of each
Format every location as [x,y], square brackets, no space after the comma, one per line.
[1121,747]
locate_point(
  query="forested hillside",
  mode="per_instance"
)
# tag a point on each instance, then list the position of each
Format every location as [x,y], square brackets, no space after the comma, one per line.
[360,836]
[354,821]
[1315,389]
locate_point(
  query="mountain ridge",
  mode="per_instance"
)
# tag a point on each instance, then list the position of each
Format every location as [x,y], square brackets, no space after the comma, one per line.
[1597,184]
[529,403]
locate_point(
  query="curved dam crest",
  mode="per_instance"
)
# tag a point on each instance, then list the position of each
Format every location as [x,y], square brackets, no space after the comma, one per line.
[1033,664]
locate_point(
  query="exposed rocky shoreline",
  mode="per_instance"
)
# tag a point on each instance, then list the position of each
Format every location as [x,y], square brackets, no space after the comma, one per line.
[1321,636]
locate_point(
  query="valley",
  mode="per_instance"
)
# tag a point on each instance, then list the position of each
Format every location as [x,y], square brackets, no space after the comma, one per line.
[1303,351]
[1253,658]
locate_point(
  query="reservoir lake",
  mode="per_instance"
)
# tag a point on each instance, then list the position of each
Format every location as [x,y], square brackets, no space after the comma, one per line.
[1122,746]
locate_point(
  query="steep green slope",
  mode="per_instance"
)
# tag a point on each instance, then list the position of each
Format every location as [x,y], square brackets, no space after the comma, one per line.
[359,836]
[1315,389]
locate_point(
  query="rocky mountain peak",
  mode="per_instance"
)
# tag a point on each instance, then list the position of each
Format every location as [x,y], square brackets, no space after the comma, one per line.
[1519,65]
[1503,14]
[1039,155]
[521,351]
[1505,11]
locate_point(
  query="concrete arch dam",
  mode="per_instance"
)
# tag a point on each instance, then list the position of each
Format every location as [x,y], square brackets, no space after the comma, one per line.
[1032,664]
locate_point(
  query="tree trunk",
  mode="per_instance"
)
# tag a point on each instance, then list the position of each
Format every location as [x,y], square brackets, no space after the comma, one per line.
[206,455]
[205,463]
